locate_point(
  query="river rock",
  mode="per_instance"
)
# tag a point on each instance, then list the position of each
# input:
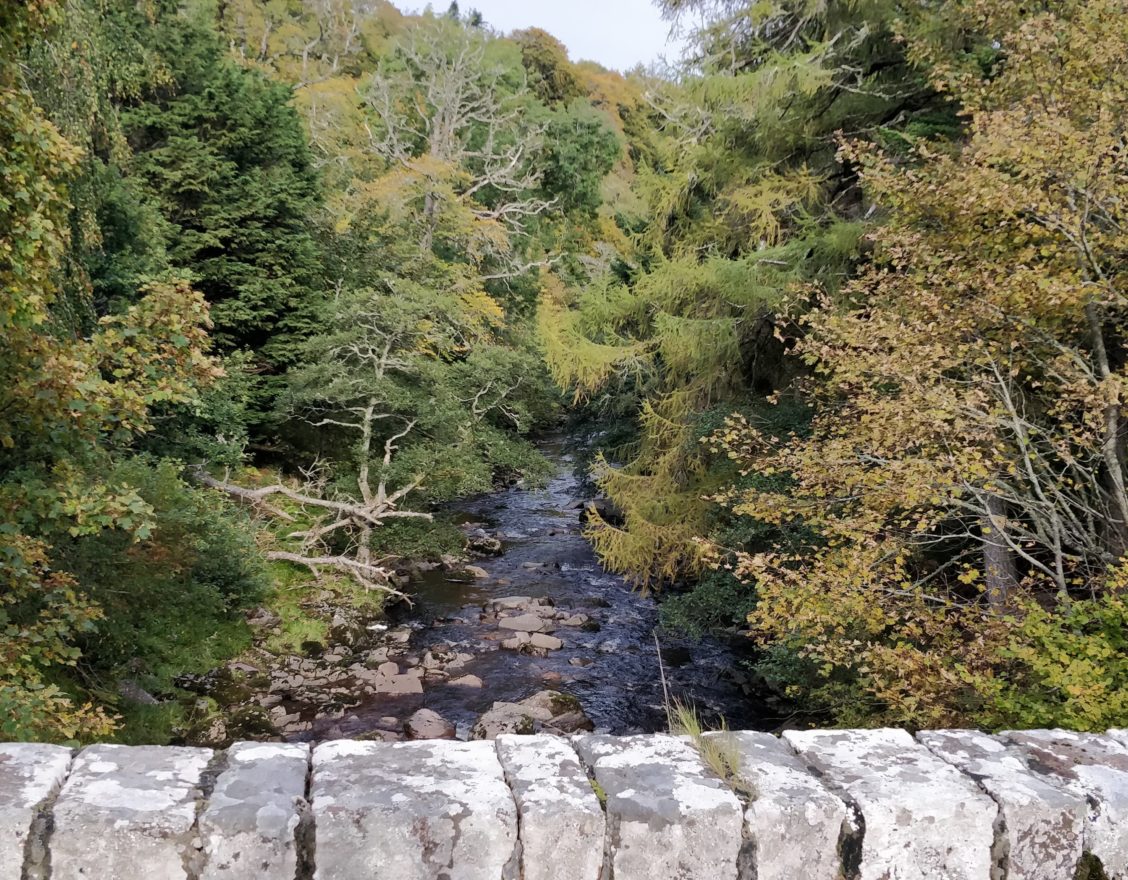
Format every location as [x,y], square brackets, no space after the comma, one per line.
[428,724]
[248,828]
[130,810]
[562,824]
[549,643]
[668,815]
[517,642]
[529,623]
[1042,822]
[262,618]
[484,546]
[344,629]
[477,571]
[398,685]
[470,681]
[418,810]
[923,818]
[574,620]
[29,775]
[502,718]
[514,603]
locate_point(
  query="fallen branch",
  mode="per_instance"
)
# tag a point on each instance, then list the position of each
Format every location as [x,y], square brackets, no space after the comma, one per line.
[371,577]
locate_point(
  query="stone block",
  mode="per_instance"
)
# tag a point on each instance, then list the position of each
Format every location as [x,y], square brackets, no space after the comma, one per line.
[793,823]
[923,819]
[29,775]
[668,816]
[129,812]
[425,810]
[562,824]
[1094,767]
[1039,836]
[250,826]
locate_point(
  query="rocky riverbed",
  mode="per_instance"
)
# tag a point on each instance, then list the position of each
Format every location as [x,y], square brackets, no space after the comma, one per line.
[524,632]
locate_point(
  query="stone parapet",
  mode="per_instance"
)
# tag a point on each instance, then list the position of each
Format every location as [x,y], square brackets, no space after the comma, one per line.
[817,805]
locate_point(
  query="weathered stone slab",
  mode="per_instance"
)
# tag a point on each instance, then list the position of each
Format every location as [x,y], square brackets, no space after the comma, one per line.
[127,812]
[1042,823]
[668,816]
[29,775]
[1094,767]
[250,824]
[562,824]
[425,810]
[793,824]
[923,819]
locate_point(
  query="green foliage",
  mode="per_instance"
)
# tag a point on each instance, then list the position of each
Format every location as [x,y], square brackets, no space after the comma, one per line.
[67,402]
[417,539]
[222,152]
[1067,667]
[580,150]
[172,602]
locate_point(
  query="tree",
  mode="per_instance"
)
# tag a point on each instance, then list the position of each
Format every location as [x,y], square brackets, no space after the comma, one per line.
[964,468]
[449,111]
[222,151]
[745,202]
[64,402]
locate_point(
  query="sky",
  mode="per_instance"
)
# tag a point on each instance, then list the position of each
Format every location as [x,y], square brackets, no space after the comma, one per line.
[617,33]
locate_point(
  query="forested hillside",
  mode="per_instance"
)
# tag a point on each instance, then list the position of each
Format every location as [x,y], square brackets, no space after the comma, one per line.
[836,305]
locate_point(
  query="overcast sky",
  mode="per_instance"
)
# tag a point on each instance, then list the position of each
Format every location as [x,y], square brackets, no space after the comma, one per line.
[617,33]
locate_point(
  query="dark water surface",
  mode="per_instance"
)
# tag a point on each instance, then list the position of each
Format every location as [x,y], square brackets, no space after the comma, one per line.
[545,555]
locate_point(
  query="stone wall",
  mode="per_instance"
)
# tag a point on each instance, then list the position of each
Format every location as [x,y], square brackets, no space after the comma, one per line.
[810,805]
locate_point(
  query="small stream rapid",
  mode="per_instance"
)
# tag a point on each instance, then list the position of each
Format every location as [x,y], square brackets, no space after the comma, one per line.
[611,665]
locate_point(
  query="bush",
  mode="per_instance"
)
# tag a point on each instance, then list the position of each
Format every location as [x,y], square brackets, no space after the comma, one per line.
[172,601]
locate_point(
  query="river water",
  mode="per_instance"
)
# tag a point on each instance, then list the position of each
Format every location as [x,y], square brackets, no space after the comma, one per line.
[545,555]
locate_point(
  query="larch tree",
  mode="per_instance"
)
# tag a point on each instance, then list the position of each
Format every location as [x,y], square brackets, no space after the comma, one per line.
[745,202]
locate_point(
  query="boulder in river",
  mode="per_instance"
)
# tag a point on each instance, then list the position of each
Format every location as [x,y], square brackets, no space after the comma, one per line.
[428,724]
[529,623]
[549,643]
[546,711]
[470,681]
[484,545]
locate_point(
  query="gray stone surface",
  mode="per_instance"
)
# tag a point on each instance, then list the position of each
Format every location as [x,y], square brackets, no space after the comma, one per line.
[249,825]
[562,824]
[426,810]
[668,816]
[923,819]
[792,823]
[1094,767]
[29,774]
[128,812]
[1042,823]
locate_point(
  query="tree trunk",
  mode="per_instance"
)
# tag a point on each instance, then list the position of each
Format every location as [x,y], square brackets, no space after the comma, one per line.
[999,570]
[1111,445]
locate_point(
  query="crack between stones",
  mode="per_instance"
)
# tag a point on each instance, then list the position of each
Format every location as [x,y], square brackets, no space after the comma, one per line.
[37,848]
[305,834]
[852,835]
[610,823]
[1000,841]
[192,852]
[514,867]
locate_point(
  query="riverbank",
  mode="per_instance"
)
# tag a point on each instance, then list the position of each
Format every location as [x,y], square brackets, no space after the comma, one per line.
[524,617]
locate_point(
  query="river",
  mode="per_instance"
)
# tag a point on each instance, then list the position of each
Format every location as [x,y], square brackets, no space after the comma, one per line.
[611,664]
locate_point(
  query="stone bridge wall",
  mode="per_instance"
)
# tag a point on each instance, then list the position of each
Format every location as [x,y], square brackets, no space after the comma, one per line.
[811,805]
